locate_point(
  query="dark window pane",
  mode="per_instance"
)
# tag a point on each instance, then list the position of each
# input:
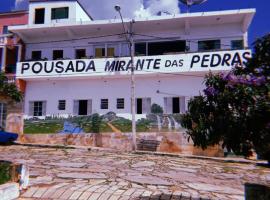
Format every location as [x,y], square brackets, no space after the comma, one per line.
[5,30]
[161,48]
[11,59]
[60,13]
[80,53]
[140,49]
[104,104]
[62,105]
[120,103]
[38,106]
[237,44]
[39,16]
[209,45]
[36,55]
[58,54]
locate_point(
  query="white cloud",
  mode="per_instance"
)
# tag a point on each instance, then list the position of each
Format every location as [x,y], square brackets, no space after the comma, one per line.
[21,4]
[104,9]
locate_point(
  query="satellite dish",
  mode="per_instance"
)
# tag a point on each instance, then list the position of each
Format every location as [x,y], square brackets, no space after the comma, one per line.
[190,3]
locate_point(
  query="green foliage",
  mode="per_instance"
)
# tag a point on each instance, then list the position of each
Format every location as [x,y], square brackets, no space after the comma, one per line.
[143,125]
[9,89]
[4,172]
[96,122]
[122,124]
[156,109]
[235,109]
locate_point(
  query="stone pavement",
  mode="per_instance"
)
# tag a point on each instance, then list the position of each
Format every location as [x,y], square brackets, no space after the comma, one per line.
[81,174]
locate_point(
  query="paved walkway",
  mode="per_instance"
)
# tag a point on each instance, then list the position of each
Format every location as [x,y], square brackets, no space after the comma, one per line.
[80,174]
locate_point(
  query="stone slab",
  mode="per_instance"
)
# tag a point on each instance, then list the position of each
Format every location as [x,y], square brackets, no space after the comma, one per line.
[9,191]
[82,176]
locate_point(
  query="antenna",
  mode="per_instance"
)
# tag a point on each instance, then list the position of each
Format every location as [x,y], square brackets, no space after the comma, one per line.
[190,3]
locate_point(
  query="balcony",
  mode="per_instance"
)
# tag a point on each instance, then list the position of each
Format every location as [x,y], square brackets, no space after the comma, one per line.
[175,63]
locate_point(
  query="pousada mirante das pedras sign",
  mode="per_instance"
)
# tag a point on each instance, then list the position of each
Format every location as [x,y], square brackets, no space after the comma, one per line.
[180,63]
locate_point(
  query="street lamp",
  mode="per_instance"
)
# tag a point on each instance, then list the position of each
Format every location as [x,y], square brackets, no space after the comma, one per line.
[129,38]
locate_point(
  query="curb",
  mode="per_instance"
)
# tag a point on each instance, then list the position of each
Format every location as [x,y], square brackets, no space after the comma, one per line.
[100,149]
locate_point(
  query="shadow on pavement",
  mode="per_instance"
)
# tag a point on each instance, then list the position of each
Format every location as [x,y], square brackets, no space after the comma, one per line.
[169,197]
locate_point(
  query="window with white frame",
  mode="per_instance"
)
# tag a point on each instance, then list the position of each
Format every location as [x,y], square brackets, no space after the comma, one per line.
[60,13]
[237,44]
[104,104]
[37,108]
[120,103]
[3,115]
[100,51]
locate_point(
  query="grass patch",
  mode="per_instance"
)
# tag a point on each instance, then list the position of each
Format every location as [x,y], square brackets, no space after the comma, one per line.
[4,172]
[41,127]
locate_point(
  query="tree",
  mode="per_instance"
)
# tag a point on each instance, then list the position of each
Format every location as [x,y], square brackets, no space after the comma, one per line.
[156,109]
[235,107]
[9,89]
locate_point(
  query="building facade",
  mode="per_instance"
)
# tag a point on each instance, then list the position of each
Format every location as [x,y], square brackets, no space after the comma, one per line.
[76,66]
[11,51]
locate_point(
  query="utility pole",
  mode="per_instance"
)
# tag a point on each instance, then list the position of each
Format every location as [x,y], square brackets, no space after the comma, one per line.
[130,40]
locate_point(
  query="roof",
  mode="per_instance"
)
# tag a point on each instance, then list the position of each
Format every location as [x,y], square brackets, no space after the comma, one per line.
[14,12]
[186,21]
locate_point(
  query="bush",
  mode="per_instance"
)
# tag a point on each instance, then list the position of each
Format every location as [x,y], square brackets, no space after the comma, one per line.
[4,172]
[156,109]
[235,109]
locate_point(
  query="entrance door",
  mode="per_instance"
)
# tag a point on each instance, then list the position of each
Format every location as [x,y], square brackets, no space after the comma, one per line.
[176,105]
[83,107]
[139,106]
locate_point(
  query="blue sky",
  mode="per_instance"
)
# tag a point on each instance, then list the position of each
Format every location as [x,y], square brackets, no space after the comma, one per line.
[259,27]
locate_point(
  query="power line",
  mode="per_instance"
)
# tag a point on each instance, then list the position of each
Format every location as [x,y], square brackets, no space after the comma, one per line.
[74,39]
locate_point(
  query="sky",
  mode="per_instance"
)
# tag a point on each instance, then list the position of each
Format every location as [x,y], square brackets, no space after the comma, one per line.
[101,9]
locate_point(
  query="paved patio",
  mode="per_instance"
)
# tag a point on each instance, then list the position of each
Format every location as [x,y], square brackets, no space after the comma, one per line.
[80,174]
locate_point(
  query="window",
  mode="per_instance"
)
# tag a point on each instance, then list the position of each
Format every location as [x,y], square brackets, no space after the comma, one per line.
[3,115]
[110,52]
[39,16]
[120,103]
[100,52]
[209,45]
[38,108]
[82,107]
[12,56]
[62,105]
[163,48]
[237,44]
[36,55]
[1,57]
[60,13]
[140,49]
[104,104]
[58,54]
[80,53]
[5,30]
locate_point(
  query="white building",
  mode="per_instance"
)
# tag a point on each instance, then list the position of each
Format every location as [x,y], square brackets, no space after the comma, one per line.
[78,66]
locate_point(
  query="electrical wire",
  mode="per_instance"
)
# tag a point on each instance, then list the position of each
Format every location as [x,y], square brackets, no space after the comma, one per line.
[74,39]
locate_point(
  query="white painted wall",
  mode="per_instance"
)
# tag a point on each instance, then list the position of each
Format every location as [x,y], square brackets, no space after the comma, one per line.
[110,88]
[76,13]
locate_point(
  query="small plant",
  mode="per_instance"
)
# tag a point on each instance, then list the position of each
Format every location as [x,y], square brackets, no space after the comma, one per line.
[96,122]
[156,109]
